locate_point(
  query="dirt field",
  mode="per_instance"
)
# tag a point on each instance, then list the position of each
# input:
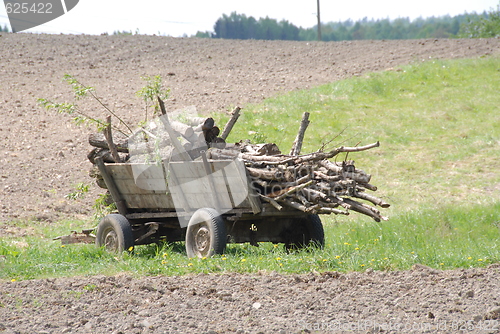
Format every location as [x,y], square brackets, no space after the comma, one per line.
[418,301]
[43,154]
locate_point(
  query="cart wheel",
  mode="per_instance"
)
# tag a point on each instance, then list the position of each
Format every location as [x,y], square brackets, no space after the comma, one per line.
[316,231]
[309,232]
[206,234]
[114,233]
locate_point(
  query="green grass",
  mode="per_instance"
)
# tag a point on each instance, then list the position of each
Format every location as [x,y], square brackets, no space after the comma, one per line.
[439,127]
[451,238]
[438,123]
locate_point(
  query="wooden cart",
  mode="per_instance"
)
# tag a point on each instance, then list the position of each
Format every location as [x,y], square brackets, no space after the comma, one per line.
[205,203]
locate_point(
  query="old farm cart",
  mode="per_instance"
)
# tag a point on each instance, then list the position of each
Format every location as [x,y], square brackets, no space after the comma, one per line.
[206,203]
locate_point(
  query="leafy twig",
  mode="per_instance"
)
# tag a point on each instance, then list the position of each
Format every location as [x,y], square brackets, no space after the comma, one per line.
[82,90]
[70,109]
[150,92]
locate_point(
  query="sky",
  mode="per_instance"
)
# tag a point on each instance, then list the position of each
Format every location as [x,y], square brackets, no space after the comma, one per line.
[186,17]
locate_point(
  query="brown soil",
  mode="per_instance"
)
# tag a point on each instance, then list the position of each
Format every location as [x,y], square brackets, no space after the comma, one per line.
[43,155]
[418,301]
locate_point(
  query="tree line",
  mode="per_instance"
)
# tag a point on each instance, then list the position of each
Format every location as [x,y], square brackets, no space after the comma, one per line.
[4,29]
[240,26]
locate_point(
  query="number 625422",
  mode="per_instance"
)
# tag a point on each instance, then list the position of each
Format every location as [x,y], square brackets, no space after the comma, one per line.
[25,8]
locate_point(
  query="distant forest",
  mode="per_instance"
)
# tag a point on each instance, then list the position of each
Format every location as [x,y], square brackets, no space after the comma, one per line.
[4,29]
[239,26]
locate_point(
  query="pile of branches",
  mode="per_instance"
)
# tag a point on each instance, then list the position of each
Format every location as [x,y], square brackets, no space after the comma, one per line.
[310,183]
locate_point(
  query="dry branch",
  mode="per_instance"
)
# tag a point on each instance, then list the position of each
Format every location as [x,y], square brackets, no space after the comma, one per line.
[109,139]
[292,190]
[297,144]
[229,125]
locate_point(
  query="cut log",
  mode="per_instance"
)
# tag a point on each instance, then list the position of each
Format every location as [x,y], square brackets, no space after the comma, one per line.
[327,210]
[99,140]
[195,121]
[105,154]
[364,209]
[369,186]
[371,198]
[314,196]
[322,176]
[266,149]
[229,125]
[295,205]
[185,130]
[263,174]
[211,134]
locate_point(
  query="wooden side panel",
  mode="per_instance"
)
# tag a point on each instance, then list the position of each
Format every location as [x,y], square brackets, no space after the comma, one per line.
[146,189]
[230,190]
[149,201]
[185,185]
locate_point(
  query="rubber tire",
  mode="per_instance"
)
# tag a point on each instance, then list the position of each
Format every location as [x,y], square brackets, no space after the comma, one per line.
[316,231]
[115,234]
[310,233]
[206,234]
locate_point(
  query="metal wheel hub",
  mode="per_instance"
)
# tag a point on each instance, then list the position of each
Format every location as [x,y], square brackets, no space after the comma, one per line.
[202,239]
[111,240]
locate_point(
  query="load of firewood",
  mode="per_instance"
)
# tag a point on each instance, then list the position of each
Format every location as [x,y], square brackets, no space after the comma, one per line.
[310,182]
[195,136]
[153,143]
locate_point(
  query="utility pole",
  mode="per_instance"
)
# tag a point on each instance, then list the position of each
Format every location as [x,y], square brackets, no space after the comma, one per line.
[319,23]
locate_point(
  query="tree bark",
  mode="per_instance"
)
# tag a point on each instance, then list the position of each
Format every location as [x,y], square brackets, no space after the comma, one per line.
[229,125]
[297,144]
[109,139]
[99,140]
[185,130]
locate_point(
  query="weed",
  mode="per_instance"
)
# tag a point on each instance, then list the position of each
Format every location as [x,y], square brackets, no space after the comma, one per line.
[80,190]
[103,205]
[149,93]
